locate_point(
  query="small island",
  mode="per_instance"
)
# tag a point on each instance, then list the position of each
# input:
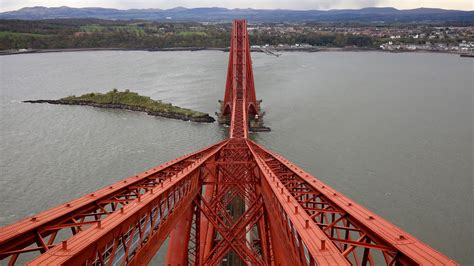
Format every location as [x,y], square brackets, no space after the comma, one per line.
[132,101]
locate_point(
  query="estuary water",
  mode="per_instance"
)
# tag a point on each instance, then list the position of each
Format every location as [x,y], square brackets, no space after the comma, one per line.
[391,131]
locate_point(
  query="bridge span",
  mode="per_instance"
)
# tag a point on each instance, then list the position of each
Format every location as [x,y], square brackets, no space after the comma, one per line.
[232,203]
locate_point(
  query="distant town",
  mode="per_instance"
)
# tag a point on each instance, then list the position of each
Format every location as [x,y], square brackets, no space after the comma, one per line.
[457,39]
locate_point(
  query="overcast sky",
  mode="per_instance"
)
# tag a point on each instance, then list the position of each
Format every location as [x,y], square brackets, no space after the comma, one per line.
[7,5]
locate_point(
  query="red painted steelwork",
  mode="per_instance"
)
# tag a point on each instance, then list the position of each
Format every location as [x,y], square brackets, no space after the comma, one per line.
[133,235]
[358,234]
[235,181]
[180,238]
[233,201]
[45,230]
[240,97]
[299,241]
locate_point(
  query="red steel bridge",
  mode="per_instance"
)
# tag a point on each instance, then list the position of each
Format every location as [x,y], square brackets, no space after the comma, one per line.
[232,203]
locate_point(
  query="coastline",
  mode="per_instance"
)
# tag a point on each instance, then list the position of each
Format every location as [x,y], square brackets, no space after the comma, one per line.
[201,119]
[41,51]
[258,50]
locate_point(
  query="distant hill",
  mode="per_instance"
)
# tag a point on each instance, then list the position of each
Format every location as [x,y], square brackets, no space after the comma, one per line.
[216,14]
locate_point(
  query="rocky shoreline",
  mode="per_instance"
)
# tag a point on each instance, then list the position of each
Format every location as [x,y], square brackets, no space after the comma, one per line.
[200,119]
[171,49]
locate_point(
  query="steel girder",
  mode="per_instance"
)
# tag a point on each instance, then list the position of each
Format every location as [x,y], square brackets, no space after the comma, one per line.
[338,224]
[235,188]
[44,231]
[134,234]
[291,218]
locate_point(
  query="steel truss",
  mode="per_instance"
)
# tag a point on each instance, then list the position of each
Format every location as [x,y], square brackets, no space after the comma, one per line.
[234,201]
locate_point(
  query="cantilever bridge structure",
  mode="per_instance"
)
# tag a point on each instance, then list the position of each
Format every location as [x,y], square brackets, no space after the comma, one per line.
[232,203]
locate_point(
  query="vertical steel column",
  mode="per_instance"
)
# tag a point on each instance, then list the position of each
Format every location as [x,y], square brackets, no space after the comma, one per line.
[206,229]
[179,239]
[264,240]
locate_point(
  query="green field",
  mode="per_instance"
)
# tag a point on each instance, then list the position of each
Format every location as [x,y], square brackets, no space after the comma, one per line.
[132,28]
[191,33]
[20,34]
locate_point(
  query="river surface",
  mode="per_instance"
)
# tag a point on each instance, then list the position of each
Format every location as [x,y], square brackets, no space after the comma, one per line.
[391,131]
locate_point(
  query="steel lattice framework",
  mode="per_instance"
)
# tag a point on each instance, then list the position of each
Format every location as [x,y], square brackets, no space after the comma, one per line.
[234,201]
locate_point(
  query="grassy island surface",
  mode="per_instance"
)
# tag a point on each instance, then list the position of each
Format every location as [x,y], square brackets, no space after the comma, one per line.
[132,101]
[129,98]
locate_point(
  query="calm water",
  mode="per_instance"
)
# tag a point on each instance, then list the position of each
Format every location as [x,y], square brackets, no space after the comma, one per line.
[391,131]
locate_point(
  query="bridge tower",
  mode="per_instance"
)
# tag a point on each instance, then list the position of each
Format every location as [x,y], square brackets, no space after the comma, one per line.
[240,81]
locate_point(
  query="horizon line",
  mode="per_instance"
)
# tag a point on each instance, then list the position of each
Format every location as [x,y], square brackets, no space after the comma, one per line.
[238,8]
